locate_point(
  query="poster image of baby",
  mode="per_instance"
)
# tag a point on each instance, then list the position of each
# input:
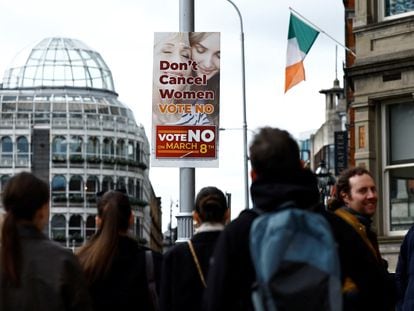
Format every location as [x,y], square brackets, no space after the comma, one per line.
[186,78]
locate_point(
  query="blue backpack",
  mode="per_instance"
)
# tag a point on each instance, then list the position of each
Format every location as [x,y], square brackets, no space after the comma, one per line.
[296,261]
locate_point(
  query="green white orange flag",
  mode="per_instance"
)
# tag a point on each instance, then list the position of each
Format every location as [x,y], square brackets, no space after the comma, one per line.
[300,39]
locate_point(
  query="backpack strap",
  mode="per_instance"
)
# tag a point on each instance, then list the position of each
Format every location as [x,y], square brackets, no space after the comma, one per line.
[149,269]
[197,263]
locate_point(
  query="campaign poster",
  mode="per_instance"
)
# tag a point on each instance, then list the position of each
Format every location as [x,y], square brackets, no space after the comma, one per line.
[185,99]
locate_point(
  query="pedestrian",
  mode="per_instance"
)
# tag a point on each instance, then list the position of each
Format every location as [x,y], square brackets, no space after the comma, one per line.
[114,264]
[404,273]
[277,177]
[367,285]
[186,265]
[36,273]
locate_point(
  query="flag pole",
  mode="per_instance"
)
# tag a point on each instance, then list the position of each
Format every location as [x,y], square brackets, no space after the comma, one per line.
[322,31]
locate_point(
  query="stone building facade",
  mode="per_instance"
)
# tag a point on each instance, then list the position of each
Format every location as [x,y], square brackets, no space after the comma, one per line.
[381,85]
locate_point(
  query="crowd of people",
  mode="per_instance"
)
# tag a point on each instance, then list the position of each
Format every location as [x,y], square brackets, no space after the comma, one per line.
[214,270]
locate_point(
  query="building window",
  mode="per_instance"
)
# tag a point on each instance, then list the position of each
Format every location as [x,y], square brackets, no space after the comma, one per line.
[22,151]
[108,148]
[58,228]
[131,155]
[75,189]
[121,149]
[92,147]
[59,189]
[90,226]
[120,184]
[397,7]
[138,190]
[75,230]
[399,165]
[59,146]
[107,184]
[3,181]
[6,149]
[131,187]
[92,185]
[138,153]
[76,145]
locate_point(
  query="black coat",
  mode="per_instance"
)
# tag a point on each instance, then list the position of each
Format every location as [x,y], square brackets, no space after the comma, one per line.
[404,273]
[232,274]
[376,290]
[181,286]
[51,278]
[125,287]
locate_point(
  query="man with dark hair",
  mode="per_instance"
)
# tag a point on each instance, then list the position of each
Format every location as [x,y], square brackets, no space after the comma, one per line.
[366,282]
[278,177]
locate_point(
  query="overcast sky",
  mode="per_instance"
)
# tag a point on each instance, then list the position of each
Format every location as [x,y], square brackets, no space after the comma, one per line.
[122,32]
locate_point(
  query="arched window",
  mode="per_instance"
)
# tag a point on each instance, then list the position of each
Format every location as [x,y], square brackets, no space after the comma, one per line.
[108,148]
[92,185]
[22,145]
[75,183]
[58,183]
[120,184]
[59,189]
[59,146]
[22,151]
[131,151]
[107,183]
[120,149]
[93,146]
[76,189]
[76,145]
[90,226]
[75,230]
[58,228]
[6,150]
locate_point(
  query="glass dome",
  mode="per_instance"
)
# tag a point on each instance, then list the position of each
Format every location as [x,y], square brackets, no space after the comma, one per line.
[59,62]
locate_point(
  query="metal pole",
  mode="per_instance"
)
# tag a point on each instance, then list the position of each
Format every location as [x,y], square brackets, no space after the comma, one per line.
[187,174]
[245,146]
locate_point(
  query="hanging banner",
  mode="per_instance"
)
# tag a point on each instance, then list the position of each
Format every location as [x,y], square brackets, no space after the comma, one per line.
[341,151]
[185,99]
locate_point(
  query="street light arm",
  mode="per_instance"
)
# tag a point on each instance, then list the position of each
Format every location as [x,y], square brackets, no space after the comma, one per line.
[245,155]
[240,16]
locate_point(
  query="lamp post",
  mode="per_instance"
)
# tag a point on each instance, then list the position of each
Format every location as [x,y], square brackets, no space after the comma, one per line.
[325,181]
[245,156]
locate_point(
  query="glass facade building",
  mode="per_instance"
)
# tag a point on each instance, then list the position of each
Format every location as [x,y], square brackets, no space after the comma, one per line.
[61,119]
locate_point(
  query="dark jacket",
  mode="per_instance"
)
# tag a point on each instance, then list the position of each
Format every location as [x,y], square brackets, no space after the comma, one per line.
[374,286]
[232,274]
[125,287]
[404,273]
[51,277]
[181,286]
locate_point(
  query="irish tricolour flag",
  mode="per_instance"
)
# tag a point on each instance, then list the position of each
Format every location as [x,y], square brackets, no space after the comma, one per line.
[300,39]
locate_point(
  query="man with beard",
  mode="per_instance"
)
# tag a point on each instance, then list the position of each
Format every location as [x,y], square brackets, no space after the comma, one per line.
[367,285]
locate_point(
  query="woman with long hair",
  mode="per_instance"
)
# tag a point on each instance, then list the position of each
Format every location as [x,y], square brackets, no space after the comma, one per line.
[36,273]
[185,266]
[113,262]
